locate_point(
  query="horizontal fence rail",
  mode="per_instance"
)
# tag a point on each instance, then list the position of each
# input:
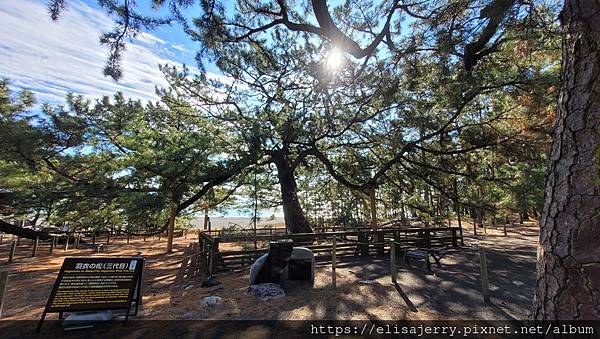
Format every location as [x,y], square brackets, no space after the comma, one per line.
[356,242]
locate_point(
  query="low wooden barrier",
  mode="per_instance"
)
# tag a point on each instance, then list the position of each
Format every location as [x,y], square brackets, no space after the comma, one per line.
[359,242]
[193,264]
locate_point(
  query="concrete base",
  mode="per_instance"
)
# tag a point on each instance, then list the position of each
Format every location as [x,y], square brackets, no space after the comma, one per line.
[79,320]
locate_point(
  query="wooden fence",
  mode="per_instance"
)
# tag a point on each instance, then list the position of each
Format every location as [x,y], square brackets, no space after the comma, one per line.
[235,229]
[229,231]
[357,242]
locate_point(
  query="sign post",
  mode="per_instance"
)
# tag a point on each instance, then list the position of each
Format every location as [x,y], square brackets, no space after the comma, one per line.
[96,283]
[3,286]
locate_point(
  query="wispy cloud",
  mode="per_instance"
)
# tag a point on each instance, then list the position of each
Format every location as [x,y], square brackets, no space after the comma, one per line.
[53,59]
[180,48]
[149,39]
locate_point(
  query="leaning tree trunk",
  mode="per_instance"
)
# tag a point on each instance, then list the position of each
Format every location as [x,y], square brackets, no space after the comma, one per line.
[22,232]
[568,272]
[295,220]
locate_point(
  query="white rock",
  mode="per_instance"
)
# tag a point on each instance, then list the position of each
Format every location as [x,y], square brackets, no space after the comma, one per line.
[266,291]
[211,300]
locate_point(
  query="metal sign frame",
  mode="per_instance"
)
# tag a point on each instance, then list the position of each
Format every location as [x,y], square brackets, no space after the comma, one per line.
[135,293]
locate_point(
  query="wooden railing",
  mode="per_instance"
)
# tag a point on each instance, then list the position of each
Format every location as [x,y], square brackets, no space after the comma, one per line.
[358,242]
[319,228]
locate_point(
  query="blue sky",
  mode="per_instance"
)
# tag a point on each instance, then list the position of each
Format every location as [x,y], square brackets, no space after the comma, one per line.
[54,58]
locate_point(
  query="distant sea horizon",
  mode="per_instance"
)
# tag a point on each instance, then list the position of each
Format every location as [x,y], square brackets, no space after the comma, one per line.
[221,221]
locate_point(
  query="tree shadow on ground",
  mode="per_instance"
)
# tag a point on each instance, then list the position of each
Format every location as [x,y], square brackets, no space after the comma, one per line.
[364,290]
[450,292]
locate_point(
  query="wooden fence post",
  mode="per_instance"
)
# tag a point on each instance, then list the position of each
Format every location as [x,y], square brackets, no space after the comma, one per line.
[380,242]
[462,241]
[127,238]
[454,237]
[393,268]
[485,290]
[1,237]
[77,238]
[363,244]
[211,262]
[333,262]
[52,244]
[35,246]
[13,249]
[216,258]
[214,261]
[209,254]
[3,286]
[108,238]
[18,241]
[94,239]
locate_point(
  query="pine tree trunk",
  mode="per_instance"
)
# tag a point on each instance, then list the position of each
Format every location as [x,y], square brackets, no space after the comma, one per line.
[403,215]
[171,229]
[373,204]
[294,217]
[568,272]
[22,232]
[524,214]
[206,217]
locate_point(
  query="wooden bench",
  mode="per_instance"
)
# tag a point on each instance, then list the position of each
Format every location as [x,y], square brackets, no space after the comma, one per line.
[420,253]
[427,245]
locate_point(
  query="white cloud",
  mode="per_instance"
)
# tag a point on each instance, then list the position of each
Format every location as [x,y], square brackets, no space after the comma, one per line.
[180,48]
[149,39]
[54,58]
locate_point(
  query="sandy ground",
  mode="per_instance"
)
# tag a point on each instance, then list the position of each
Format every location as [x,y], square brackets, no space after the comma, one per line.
[450,292]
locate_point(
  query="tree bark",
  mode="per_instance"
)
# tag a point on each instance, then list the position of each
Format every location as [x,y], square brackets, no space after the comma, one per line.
[295,220]
[206,217]
[373,208]
[524,214]
[568,268]
[172,216]
[22,232]
[403,215]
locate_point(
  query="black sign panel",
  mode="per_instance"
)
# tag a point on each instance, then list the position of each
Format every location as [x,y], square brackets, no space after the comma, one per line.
[100,283]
